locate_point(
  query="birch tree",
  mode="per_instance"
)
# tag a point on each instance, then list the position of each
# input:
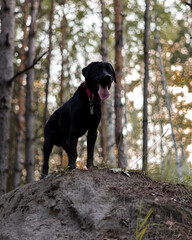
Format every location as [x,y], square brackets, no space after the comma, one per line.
[168,104]
[30,151]
[7,23]
[145,85]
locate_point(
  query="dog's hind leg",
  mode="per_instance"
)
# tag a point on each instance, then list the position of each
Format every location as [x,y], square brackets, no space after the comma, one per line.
[47,148]
[91,138]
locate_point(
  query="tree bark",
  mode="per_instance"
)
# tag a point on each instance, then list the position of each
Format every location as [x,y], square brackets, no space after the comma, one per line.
[49,60]
[30,148]
[161,143]
[107,107]
[103,104]
[145,86]
[6,72]
[183,157]
[104,50]
[118,87]
[63,57]
[126,142]
[21,102]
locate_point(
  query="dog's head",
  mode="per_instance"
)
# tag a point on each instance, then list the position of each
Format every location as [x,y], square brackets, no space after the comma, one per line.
[99,77]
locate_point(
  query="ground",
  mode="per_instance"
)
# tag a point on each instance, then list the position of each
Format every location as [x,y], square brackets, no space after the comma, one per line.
[96,204]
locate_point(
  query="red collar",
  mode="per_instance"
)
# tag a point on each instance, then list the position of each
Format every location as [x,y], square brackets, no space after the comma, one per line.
[91,98]
[89,94]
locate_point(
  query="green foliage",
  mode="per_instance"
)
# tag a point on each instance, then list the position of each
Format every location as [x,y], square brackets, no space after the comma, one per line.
[169,173]
[142,226]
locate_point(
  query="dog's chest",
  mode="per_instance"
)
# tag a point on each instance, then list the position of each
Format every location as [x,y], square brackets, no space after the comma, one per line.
[87,118]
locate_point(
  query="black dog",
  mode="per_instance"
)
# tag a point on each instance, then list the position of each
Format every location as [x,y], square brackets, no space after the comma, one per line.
[80,114]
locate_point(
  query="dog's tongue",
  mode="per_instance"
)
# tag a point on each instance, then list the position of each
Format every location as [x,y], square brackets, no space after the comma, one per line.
[103,92]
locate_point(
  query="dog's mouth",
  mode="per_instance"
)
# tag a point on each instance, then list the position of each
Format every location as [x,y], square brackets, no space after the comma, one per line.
[103,92]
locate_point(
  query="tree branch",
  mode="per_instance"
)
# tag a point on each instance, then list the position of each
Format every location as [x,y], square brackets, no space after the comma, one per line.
[26,69]
[189,4]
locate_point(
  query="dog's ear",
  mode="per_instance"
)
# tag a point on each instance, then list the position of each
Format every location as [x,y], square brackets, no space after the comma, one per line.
[114,75]
[86,70]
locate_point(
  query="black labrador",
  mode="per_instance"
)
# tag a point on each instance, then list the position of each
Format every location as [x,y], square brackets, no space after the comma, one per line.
[81,113]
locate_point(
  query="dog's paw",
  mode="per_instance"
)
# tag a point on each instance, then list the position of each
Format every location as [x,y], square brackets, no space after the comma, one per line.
[92,166]
[85,168]
[71,167]
[90,163]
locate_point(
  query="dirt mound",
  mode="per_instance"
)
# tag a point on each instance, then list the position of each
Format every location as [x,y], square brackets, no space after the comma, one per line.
[96,204]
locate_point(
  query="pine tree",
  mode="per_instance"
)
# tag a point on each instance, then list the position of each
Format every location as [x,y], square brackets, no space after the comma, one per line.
[103,104]
[118,87]
[21,99]
[145,86]
[6,73]
[49,59]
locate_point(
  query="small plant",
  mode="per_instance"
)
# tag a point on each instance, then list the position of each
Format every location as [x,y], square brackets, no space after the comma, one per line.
[142,227]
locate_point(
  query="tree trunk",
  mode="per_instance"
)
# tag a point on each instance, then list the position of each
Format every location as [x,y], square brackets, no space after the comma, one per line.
[145,86]
[183,157]
[110,127]
[49,60]
[63,57]
[104,52]
[170,164]
[30,152]
[103,104]
[161,143]
[21,102]
[118,87]
[168,103]
[6,72]
[125,96]
[107,107]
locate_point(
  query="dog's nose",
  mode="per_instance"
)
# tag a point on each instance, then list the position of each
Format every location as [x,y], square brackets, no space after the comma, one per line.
[107,76]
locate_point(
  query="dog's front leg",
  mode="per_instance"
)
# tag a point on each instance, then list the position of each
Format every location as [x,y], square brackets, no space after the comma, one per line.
[47,148]
[91,138]
[72,153]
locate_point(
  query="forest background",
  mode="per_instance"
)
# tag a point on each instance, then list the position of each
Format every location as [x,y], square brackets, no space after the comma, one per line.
[68,35]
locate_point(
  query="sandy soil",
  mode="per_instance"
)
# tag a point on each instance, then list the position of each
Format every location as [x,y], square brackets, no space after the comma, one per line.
[96,204]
